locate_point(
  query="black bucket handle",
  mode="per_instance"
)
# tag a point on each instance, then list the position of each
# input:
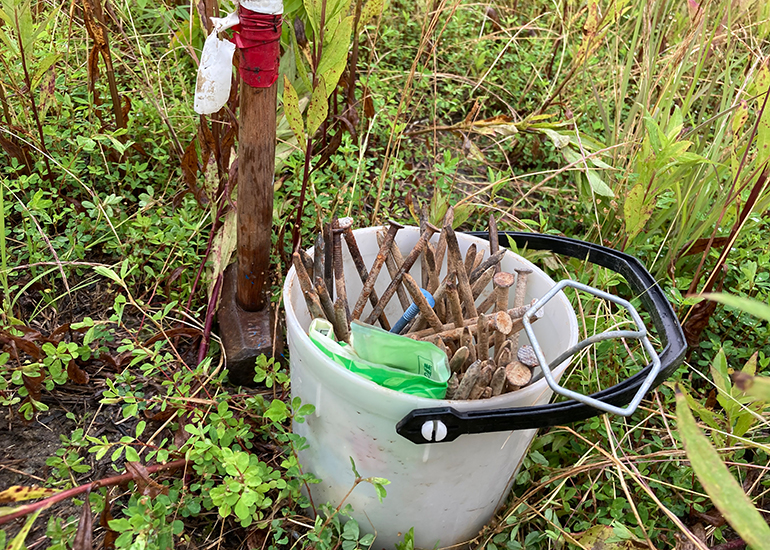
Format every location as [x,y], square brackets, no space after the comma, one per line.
[444,424]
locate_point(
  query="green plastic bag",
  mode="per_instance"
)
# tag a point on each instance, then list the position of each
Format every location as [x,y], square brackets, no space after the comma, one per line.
[390,360]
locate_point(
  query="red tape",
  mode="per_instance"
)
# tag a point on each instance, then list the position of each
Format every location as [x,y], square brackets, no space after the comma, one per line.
[258,37]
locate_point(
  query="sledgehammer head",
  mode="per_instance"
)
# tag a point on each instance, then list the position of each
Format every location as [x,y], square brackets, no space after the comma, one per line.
[245,334]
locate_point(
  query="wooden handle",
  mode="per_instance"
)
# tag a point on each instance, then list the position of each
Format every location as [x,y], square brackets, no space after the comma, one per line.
[256,169]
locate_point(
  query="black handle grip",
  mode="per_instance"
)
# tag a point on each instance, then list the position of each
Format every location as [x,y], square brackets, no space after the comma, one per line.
[541,416]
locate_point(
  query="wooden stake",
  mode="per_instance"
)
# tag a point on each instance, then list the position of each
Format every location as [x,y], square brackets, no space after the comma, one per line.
[498,381]
[450,332]
[517,375]
[485,377]
[392,265]
[256,165]
[459,359]
[470,258]
[454,304]
[466,340]
[468,381]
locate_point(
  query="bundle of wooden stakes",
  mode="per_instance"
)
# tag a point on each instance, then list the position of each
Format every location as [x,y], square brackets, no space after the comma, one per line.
[479,334]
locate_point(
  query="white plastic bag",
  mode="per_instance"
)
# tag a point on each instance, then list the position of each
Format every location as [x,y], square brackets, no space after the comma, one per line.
[214,75]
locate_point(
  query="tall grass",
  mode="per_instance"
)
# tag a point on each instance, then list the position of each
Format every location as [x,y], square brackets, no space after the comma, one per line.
[681,98]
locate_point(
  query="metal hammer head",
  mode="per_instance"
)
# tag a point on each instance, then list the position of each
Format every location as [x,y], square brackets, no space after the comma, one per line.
[245,334]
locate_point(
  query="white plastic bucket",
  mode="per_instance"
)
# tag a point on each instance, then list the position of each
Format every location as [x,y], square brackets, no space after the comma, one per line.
[446,491]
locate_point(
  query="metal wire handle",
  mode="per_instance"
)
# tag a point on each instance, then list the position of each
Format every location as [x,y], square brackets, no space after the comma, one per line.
[640,334]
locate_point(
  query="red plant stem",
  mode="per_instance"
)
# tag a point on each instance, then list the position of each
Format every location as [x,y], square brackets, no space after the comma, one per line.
[696,278]
[69,493]
[28,82]
[354,57]
[209,245]
[295,238]
[204,348]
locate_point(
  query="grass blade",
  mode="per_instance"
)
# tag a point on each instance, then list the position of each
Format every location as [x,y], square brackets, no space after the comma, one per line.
[724,491]
[752,307]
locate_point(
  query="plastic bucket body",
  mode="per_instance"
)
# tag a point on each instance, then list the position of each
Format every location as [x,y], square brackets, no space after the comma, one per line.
[446,491]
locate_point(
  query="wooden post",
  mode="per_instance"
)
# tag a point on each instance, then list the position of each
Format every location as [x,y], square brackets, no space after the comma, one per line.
[256,169]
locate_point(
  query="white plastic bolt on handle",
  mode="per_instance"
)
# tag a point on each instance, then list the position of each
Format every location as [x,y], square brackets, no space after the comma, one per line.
[639,334]
[434,430]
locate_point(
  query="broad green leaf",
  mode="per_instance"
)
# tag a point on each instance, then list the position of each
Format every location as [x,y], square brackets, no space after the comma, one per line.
[752,307]
[335,12]
[437,207]
[41,26]
[313,10]
[5,17]
[8,39]
[725,492]
[292,113]
[277,411]
[677,149]
[763,17]
[755,386]
[746,420]
[599,163]
[637,211]
[115,142]
[597,184]
[109,273]
[462,213]
[381,492]
[287,67]
[42,67]
[299,61]
[350,531]
[656,135]
[334,57]
[578,161]
[559,140]
[318,109]
[740,116]
[675,125]
[719,371]
[242,511]
[408,542]
[19,12]
[131,454]
[721,377]
[705,414]
[372,9]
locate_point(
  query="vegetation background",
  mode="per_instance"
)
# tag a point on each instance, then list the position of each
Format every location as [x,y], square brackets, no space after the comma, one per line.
[639,125]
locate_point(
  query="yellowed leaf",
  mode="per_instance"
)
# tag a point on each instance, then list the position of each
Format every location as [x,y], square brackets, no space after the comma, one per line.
[18,493]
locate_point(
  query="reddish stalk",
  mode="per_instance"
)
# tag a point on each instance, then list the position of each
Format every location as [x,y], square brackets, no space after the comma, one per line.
[295,237]
[28,82]
[69,493]
[210,310]
[696,278]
